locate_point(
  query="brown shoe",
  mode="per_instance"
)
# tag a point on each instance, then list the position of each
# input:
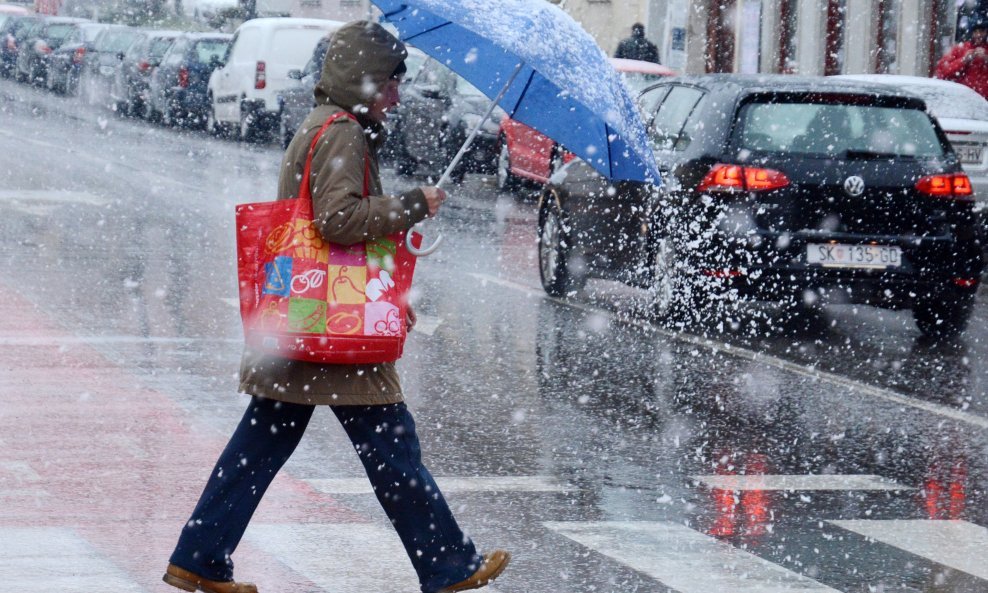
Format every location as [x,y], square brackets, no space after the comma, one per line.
[187,581]
[491,568]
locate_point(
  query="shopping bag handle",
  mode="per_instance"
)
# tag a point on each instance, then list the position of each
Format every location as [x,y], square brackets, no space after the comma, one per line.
[421,251]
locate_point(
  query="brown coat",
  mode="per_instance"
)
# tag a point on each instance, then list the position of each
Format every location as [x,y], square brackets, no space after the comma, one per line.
[361,56]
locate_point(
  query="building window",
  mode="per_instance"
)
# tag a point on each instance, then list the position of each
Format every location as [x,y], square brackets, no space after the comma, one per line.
[788,18]
[721,36]
[834,60]
[888,34]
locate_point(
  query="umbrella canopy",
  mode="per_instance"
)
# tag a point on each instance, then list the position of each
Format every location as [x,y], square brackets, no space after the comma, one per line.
[561,82]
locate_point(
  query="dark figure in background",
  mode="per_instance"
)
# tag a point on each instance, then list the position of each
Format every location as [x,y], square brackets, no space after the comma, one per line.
[967,62]
[637,47]
[362,71]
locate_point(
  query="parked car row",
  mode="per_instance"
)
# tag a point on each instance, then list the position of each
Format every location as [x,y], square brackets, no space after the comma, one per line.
[224,83]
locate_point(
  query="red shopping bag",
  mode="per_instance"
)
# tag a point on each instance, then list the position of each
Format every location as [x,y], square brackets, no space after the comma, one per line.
[304,298]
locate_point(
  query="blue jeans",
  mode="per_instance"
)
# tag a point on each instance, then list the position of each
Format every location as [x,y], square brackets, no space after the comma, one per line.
[384,438]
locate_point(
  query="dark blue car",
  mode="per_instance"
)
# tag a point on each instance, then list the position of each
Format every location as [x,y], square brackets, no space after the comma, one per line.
[178,84]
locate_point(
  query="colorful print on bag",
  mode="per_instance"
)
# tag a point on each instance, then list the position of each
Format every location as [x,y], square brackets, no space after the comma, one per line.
[304,298]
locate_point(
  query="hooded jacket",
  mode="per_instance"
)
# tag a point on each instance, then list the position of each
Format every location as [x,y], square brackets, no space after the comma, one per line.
[361,57]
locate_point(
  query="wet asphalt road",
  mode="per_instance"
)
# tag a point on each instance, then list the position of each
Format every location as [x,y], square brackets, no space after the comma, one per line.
[746,453]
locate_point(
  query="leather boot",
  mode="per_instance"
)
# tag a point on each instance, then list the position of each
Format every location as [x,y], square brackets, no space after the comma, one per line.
[187,581]
[492,567]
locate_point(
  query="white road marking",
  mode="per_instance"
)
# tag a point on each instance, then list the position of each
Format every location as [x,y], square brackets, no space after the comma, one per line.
[427,324]
[957,544]
[451,484]
[753,356]
[46,559]
[52,195]
[76,340]
[799,482]
[685,560]
[343,558]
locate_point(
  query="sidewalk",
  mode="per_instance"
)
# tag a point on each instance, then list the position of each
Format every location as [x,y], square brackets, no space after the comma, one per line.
[95,467]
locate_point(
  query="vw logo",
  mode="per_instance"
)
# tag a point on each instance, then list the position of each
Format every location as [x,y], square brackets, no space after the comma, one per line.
[854,186]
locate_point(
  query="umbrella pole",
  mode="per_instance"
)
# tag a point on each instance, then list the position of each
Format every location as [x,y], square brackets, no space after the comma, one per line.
[424,251]
[476,130]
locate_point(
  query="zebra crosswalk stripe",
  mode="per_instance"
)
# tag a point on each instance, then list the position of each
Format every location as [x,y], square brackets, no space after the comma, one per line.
[684,559]
[46,559]
[342,558]
[956,544]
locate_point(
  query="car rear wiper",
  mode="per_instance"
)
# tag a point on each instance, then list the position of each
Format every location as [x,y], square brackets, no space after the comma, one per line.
[852,153]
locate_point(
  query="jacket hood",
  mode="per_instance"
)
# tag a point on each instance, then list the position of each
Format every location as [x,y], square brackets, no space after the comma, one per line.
[361,57]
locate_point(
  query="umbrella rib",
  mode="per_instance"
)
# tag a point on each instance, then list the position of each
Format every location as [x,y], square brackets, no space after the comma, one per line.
[429,30]
[528,83]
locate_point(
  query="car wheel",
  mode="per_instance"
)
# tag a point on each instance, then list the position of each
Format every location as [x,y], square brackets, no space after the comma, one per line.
[555,250]
[50,83]
[943,315]
[506,180]
[252,128]
[213,127]
[284,134]
[664,293]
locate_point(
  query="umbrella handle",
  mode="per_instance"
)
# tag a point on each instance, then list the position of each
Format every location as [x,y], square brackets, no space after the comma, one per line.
[424,251]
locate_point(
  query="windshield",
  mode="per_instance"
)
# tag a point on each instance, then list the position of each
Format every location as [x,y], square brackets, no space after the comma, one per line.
[835,130]
[117,41]
[57,33]
[159,47]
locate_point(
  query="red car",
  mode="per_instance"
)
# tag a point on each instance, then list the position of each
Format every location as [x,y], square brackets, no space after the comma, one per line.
[525,154]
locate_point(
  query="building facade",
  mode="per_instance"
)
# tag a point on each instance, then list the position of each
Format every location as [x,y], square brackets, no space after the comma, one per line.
[811,37]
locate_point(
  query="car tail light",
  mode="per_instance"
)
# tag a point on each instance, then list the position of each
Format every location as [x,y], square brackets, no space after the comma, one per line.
[955,186]
[42,48]
[260,76]
[723,177]
[79,55]
[11,43]
[966,282]
[144,66]
[183,77]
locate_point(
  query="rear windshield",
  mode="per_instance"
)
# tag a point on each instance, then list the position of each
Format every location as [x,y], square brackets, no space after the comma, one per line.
[639,81]
[117,41]
[818,129]
[159,46]
[293,47]
[958,103]
[209,49]
[58,32]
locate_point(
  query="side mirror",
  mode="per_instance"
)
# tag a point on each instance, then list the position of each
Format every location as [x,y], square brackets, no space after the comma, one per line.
[295,74]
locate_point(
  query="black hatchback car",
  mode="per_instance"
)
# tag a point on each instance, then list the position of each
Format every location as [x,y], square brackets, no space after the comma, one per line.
[776,188]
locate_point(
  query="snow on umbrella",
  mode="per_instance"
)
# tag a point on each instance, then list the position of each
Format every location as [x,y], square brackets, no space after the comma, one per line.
[542,68]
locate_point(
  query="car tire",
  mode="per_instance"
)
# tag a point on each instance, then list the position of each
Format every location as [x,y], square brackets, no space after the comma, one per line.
[252,129]
[943,315]
[506,180]
[284,134]
[212,126]
[556,250]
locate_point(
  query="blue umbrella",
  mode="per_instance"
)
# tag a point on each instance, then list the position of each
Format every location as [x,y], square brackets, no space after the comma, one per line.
[541,67]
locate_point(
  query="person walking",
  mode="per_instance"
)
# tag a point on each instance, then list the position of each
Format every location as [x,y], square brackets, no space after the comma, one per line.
[637,47]
[967,62]
[359,83]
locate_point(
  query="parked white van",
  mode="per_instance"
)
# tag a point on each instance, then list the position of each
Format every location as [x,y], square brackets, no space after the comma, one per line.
[243,91]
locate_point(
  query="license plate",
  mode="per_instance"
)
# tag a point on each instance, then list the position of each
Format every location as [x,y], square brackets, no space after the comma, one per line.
[839,255]
[106,70]
[970,154]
